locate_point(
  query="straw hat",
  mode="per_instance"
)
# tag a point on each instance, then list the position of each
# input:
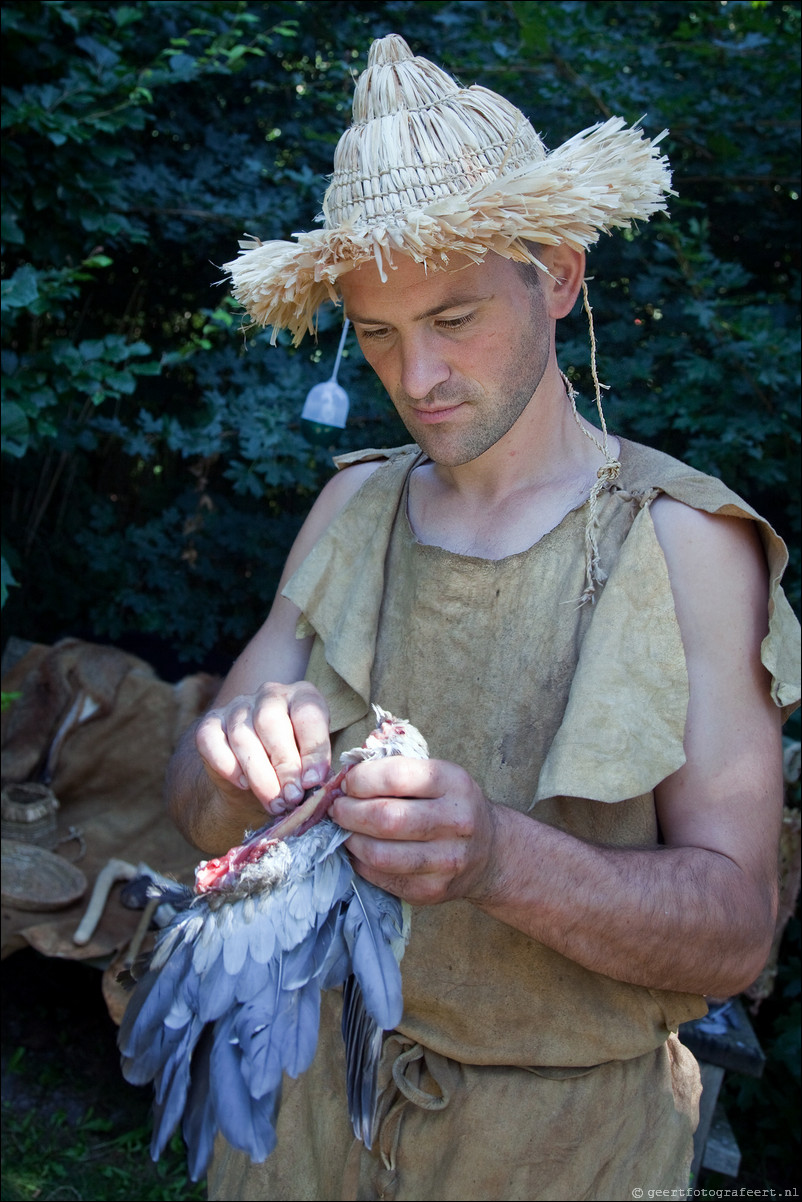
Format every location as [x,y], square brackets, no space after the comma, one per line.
[429,169]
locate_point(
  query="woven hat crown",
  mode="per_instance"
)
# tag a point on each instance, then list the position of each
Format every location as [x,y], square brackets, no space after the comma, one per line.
[416,137]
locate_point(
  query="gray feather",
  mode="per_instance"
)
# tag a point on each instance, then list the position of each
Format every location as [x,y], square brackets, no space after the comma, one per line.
[363,1038]
[261,938]
[374,962]
[217,992]
[245,1121]
[200,1121]
[235,944]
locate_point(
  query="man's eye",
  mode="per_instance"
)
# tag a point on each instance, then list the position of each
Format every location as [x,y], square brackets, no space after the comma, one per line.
[454,323]
[379,333]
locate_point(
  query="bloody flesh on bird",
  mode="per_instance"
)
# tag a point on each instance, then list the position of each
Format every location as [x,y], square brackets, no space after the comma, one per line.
[230,1000]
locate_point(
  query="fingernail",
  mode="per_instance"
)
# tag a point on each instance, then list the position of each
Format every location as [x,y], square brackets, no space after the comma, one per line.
[243,782]
[293,793]
[312,776]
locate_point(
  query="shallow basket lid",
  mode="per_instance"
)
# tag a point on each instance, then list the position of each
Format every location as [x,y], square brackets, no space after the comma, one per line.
[37,879]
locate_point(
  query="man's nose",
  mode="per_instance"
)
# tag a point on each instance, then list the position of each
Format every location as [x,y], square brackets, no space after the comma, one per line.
[422,367]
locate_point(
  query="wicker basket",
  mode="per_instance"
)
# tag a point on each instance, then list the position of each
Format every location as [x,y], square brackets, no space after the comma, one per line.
[37,879]
[28,812]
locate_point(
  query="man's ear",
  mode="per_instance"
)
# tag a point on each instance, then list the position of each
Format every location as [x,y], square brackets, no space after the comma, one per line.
[567,267]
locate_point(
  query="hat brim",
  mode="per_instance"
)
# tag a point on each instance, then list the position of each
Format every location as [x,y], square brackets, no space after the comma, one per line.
[605,177]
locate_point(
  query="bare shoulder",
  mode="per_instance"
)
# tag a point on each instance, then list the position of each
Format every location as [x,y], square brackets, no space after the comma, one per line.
[331,501]
[333,498]
[347,482]
[717,570]
[679,525]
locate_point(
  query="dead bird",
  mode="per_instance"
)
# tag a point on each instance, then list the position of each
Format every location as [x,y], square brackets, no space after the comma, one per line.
[230,999]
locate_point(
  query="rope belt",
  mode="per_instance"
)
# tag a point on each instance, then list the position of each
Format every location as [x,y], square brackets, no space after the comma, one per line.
[407,1067]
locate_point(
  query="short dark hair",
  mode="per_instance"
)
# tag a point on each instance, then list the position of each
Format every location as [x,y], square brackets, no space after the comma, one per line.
[530,273]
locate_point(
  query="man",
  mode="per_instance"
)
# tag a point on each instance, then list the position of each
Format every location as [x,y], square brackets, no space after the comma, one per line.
[575,623]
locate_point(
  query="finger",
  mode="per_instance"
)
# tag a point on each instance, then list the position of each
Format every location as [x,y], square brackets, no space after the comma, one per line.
[242,768]
[214,750]
[266,748]
[257,771]
[309,716]
[392,858]
[398,776]
[396,819]
[401,869]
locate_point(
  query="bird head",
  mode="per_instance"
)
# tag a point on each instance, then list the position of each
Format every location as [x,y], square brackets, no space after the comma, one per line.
[391,736]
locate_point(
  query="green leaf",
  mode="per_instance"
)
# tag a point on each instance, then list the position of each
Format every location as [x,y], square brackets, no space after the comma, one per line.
[15,428]
[10,230]
[7,581]
[22,289]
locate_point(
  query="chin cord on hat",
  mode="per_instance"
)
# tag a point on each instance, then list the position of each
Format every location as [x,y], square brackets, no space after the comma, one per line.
[595,575]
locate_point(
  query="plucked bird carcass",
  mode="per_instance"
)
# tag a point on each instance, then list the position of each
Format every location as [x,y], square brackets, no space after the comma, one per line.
[231,998]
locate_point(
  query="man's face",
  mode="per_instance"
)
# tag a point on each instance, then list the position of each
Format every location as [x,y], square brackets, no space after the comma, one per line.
[460,351]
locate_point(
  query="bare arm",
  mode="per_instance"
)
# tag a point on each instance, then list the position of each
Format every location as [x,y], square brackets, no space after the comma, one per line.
[695,915]
[267,737]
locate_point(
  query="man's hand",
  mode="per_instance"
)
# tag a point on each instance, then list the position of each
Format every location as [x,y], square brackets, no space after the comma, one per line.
[423,829]
[273,743]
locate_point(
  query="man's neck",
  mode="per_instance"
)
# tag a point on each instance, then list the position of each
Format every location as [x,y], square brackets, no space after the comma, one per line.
[515,492]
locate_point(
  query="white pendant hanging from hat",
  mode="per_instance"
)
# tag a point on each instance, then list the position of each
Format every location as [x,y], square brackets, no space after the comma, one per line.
[326,404]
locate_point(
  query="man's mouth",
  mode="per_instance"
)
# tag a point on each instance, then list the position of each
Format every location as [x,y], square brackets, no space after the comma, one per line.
[430,417]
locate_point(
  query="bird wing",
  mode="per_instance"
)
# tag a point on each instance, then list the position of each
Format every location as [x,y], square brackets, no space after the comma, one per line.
[231,1000]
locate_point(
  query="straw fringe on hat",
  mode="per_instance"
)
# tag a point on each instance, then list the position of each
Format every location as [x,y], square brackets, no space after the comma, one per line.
[429,169]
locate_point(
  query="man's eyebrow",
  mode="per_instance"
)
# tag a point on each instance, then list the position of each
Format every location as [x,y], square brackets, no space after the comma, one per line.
[453,302]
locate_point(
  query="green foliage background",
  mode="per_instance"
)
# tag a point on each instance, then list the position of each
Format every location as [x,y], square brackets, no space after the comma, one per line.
[155,469]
